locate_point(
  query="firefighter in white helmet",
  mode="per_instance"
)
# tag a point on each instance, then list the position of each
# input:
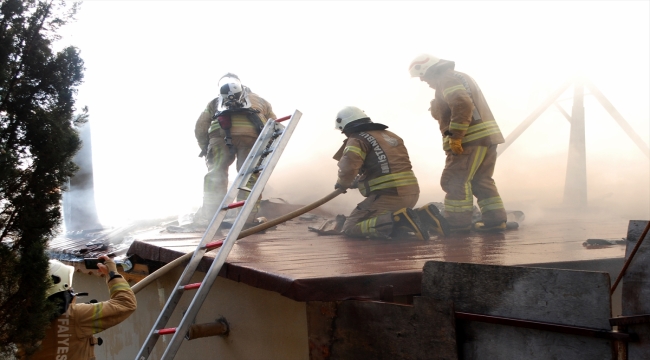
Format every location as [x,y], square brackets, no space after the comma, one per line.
[470,137]
[375,161]
[70,335]
[227,130]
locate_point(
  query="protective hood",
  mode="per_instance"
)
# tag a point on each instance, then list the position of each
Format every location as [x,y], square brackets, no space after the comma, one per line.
[351,128]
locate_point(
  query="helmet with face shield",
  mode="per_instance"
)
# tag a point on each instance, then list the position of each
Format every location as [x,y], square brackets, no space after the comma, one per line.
[232,94]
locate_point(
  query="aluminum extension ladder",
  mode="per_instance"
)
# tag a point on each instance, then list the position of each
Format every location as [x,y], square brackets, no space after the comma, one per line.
[261,160]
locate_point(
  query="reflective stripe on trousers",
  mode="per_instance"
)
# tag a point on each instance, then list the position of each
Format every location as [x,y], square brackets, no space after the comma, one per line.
[468,175]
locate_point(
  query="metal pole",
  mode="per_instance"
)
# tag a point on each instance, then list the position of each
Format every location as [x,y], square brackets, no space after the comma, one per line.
[575,185]
[629,260]
[619,118]
[531,118]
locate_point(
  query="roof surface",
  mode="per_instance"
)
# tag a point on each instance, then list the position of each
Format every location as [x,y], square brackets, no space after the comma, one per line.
[304,266]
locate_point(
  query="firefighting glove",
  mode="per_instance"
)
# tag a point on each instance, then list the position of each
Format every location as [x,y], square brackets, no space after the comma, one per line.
[456,146]
[110,264]
[339,186]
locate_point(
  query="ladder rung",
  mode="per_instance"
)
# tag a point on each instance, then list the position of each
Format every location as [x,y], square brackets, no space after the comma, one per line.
[236,204]
[214,244]
[166,331]
[191,286]
[261,160]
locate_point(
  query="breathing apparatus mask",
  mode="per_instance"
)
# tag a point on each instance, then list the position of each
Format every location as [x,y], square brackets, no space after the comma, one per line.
[232,94]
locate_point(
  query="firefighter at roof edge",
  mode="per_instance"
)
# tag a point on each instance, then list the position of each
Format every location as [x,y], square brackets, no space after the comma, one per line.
[376,161]
[227,129]
[70,335]
[470,138]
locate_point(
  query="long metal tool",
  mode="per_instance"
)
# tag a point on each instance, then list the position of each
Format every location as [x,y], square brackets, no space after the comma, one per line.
[261,160]
[176,262]
[629,259]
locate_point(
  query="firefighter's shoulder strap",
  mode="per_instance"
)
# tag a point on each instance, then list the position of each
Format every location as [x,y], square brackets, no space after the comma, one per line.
[254,118]
[225,122]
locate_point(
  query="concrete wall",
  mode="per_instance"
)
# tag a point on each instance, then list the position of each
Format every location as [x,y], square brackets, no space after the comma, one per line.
[636,288]
[263,324]
[611,266]
[574,298]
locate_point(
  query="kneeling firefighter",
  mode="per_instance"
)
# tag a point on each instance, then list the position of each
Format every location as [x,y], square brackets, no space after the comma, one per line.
[70,335]
[376,161]
[227,129]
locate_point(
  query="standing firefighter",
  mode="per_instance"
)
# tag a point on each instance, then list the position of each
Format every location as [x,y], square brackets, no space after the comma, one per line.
[470,138]
[70,335]
[227,129]
[376,161]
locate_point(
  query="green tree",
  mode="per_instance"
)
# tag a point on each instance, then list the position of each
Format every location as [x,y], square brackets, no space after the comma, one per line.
[37,143]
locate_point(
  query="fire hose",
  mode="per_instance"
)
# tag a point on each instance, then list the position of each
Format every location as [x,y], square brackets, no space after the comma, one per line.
[165,269]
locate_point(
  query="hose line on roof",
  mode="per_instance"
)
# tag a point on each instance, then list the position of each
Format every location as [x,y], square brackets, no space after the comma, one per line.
[165,269]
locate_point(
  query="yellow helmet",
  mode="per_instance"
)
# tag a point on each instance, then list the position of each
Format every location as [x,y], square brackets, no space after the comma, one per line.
[61,276]
[421,64]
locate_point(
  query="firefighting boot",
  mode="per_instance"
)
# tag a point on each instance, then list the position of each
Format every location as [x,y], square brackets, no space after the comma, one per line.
[480,226]
[433,220]
[407,220]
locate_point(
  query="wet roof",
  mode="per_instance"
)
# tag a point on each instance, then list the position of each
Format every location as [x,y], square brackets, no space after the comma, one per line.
[304,266]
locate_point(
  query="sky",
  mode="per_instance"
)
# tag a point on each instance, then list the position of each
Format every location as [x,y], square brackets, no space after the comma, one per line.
[152,66]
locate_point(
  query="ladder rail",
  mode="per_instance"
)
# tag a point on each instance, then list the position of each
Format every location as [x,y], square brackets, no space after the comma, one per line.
[229,242]
[265,135]
[271,141]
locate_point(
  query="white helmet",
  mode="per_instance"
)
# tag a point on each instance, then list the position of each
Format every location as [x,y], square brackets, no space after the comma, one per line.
[61,276]
[232,94]
[347,115]
[421,64]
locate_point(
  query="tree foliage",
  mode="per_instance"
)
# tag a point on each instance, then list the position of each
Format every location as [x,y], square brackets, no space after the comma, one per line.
[37,143]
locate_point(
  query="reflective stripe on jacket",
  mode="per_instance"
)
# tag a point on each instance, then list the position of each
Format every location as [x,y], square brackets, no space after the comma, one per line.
[240,123]
[457,96]
[380,160]
[70,336]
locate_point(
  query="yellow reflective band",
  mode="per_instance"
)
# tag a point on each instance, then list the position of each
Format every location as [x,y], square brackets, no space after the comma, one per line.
[484,125]
[390,177]
[479,156]
[481,134]
[458,209]
[466,204]
[493,203]
[404,178]
[355,150]
[474,132]
[119,286]
[396,183]
[450,90]
[453,202]
[214,126]
[488,201]
[457,126]
[97,317]
[368,226]
[239,120]
[492,207]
